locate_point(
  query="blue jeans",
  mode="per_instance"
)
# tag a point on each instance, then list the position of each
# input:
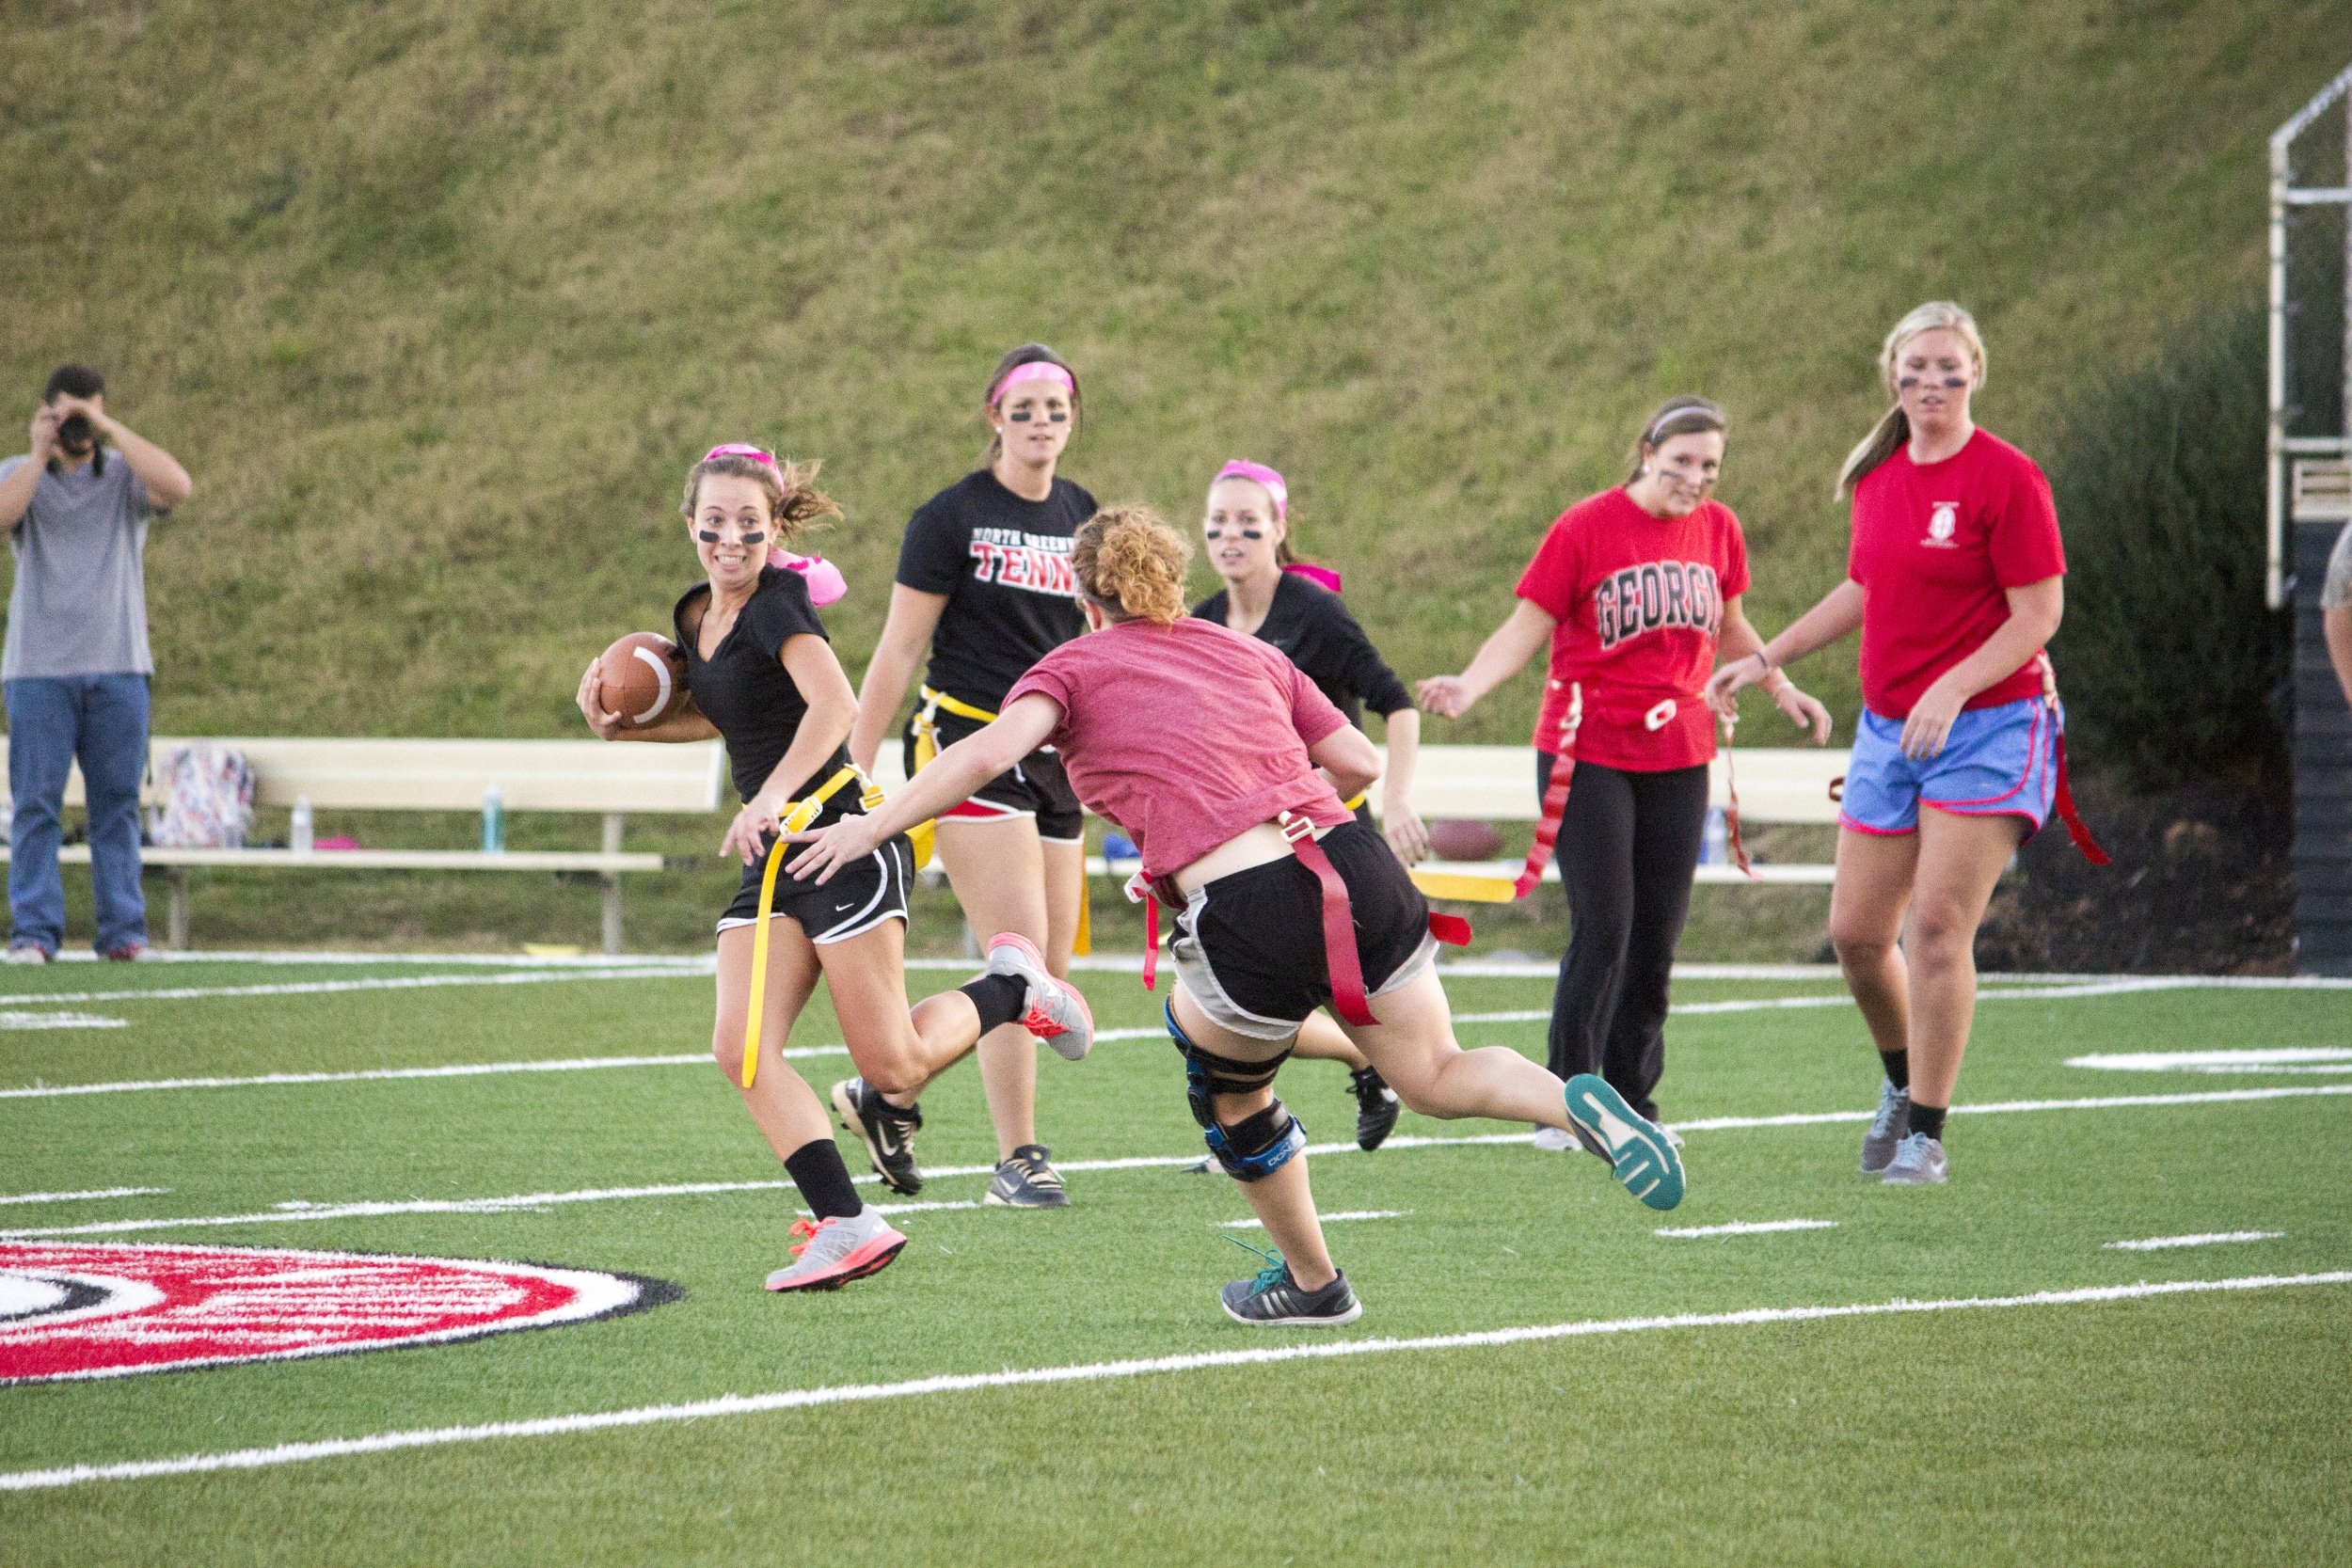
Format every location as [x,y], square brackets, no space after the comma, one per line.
[53,720]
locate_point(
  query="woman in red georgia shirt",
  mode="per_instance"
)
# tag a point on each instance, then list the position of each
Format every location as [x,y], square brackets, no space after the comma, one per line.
[1635,589]
[1956,579]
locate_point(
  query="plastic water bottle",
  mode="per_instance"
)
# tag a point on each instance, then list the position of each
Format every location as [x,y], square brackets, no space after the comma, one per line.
[493,820]
[300,835]
[1715,843]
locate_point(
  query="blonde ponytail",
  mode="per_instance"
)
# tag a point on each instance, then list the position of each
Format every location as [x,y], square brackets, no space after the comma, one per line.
[1131,562]
[1893,431]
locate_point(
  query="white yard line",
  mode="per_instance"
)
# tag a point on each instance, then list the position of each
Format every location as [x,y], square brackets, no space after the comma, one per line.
[802,1398]
[59,1021]
[1138,1161]
[77,1197]
[1746,1229]
[2158,1243]
[1326,1219]
[330,987]
[2253,1059]
[470,1069]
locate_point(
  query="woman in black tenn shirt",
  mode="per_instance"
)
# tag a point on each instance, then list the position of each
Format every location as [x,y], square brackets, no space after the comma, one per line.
[762,676]
[1271,595]
[984,584]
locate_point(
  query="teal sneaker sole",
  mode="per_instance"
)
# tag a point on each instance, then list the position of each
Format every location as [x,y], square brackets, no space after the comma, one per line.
[1645,1164]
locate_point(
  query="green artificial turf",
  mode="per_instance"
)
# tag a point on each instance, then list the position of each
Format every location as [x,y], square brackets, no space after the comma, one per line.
[2184,1428]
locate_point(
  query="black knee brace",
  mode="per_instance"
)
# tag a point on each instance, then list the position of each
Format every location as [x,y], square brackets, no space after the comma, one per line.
[1258,1146]
[1207,1073]
[1261,1142]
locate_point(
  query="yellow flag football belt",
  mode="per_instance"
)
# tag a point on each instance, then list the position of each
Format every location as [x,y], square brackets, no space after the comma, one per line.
[923,835]
[795,818]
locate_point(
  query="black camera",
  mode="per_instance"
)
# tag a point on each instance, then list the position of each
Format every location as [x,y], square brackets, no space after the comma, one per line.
[74,432]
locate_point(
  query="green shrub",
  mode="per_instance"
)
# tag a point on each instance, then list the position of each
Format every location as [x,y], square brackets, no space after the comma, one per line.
[2168,660]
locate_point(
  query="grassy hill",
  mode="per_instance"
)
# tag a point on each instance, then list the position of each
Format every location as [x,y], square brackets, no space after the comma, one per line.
[438,300]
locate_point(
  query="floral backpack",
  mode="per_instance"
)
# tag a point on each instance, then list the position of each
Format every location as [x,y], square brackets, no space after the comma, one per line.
[207,796]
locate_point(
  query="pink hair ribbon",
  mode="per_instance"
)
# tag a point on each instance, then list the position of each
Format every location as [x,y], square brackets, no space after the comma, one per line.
[1032,369]
[1259,473]
[1323,575]
[736,449]
[825,581]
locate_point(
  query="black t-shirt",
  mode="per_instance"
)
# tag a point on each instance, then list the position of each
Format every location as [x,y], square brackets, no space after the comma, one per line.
[747,692]
[1004,564]
[1311,625]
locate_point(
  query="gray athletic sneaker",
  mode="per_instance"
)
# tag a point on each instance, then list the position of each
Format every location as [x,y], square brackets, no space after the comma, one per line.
[837,1251]
[1057,1014]
[1274,1299]
[1027,1179]
[1887,1128]
[1919,1162]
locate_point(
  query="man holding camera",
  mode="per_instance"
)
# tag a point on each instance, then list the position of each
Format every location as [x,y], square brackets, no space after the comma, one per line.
[76,665]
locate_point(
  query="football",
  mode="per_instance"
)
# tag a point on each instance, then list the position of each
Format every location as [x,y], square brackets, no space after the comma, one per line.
[1458,840]
[642,678]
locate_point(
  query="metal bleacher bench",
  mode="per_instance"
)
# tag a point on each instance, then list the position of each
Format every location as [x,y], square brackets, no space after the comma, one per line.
[446,775]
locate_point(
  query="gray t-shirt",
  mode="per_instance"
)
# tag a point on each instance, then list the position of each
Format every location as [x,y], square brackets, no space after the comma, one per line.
[79,607]
[2336,593]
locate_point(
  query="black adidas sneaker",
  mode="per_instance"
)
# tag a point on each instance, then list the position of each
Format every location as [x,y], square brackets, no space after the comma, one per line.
[1274,1298]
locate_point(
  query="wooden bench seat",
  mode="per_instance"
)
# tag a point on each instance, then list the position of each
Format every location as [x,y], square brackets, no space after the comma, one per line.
[335,774]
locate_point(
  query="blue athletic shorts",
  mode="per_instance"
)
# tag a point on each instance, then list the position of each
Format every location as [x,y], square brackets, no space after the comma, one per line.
[1997,761]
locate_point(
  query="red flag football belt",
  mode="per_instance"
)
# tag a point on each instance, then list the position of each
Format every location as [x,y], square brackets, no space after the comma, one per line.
[1340,958]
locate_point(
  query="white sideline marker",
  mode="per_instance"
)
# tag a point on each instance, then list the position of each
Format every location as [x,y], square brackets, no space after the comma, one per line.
[802,1398]
[2157,1243]
[1342,1214]
[59,1021]
[1741,1228]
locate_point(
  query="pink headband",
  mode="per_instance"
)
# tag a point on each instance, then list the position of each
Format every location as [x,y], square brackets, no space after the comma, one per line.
[1243,468]
[1033,370]
[736,449]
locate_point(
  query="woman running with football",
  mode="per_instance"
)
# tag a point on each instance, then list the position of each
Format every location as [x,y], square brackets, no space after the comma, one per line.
[1271,595]
[763,678]
[1205,745]
[1636,590]
[1956,578]
[984,584]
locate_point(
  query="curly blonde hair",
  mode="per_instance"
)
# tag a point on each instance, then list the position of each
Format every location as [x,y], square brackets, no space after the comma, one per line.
[794,502]
[1132,564]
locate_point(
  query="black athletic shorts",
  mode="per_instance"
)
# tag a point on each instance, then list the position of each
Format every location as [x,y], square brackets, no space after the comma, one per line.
[1249,945]
[860,896]
[1037,786]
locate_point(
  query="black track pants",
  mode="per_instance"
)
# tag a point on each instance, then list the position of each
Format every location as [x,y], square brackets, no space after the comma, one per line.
[1629,844]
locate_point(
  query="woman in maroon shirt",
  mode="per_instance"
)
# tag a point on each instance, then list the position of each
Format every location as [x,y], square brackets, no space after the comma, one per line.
[1204,745]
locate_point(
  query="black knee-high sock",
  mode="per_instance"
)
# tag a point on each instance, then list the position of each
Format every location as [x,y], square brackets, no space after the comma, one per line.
[1000,999]
[1928,1119]
[816,1169]
[1897,1068]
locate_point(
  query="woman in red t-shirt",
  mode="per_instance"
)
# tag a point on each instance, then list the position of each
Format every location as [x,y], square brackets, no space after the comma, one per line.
[1635,590]
[1226,765]
[1956,578]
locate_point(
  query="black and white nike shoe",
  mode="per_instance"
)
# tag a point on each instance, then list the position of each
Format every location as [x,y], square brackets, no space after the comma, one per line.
[1027,1179]
[1274,1299]
[889,1132]
[1377,1107]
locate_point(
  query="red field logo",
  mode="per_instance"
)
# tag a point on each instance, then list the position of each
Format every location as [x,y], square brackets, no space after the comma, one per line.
[71,1311]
